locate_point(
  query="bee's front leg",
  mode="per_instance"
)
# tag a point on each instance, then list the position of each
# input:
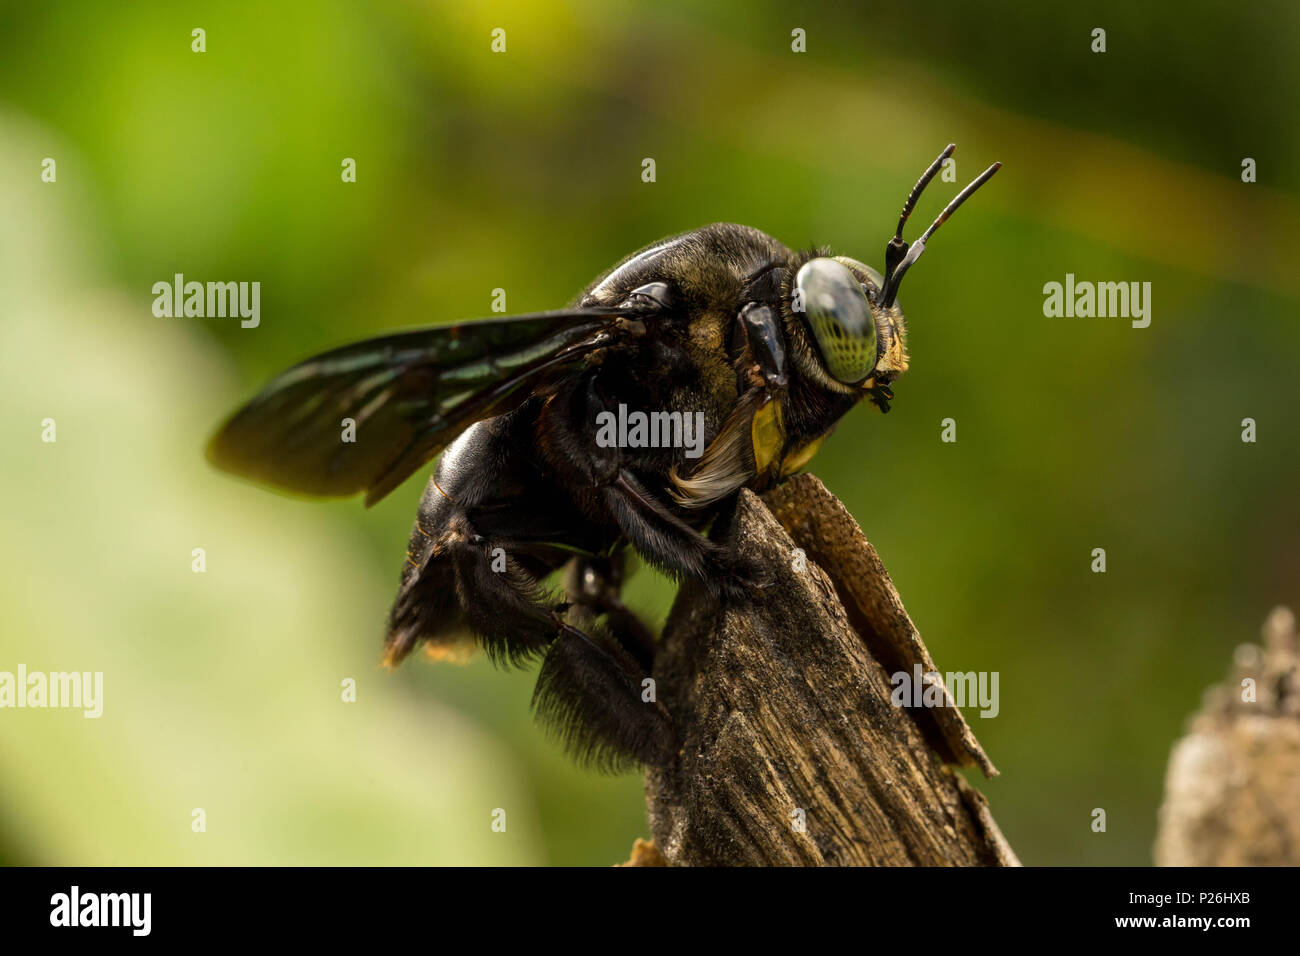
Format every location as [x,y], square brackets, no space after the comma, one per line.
[643,516]
[672,545]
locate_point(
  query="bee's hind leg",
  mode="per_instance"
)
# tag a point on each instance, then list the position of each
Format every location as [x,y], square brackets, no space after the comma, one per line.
[597,700]
[591,692]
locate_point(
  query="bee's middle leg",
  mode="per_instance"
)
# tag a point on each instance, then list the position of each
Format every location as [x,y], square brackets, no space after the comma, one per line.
[594,583]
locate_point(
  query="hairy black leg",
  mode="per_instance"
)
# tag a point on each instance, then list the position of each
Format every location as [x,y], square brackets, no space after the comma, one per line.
[600,704]
[673,545]
[594,583]
[478,533]
[590,692]
[643,517]
[503,602]
[491,526]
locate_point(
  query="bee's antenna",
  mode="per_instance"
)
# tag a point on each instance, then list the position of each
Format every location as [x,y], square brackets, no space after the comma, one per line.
[897,248]
[889,291]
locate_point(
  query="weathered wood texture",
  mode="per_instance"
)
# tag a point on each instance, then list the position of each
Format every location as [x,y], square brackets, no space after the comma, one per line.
[1232,791]
[784,710]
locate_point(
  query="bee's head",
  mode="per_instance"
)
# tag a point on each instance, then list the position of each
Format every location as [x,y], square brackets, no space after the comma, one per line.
[851,312]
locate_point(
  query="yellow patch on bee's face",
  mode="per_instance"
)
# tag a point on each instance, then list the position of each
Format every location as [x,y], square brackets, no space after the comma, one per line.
[801,456]
[895,358]
[898,354]
[767,431]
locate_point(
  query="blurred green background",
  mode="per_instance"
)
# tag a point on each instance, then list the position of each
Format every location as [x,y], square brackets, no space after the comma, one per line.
[521,170]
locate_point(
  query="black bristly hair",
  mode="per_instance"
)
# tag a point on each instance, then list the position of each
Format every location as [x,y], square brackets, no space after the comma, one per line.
[899,254]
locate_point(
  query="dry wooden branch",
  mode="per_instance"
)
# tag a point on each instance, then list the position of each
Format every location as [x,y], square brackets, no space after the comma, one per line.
[1232,792]
[792,753]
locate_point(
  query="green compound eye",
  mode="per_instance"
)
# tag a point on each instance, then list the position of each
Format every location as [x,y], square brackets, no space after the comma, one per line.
[836,311]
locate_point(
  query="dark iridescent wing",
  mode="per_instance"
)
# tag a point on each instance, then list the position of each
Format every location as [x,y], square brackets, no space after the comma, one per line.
[410,394]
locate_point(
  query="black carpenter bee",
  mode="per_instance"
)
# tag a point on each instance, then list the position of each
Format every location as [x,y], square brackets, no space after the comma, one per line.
[722,331]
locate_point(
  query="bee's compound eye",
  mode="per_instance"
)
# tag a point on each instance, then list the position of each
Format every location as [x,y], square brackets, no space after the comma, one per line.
[836,311]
